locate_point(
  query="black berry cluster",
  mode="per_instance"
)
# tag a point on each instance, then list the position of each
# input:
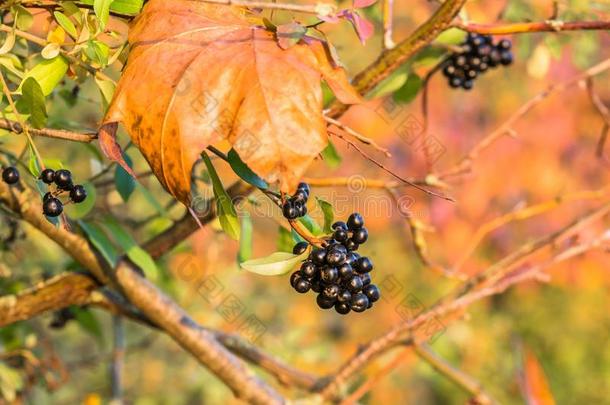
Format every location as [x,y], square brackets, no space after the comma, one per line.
[296,206]
[52,206]
[10,175]
[478,54]
[339,275]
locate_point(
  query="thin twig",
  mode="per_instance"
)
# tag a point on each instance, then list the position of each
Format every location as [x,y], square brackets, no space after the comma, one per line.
[388,17]
[365,140]
[529,27]
[324,9]
[17,128]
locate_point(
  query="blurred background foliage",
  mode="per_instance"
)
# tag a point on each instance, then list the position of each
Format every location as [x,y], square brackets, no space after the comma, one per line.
[565,322]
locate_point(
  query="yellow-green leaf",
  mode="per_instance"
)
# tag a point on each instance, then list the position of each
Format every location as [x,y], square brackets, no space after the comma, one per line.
[275,264]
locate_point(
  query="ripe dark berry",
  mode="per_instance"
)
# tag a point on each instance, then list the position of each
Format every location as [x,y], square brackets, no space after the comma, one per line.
[323,302]
[352,258]
[345,271]
[359,303]
[364,265]
[344,296]
[304,187]
[335,257]
[339,225]
[300,196]
[316,285]
[301,209]
[506,58]
[318,256]
[351,245]
[504,44]
[467,85]
[302,286]
[372,292]
[78,194]
[340,235]
[354,284]
[355,221]
[294,277]
[300,248]
[289,210]
[10,175]
[366,279]
[342,308]
[63,179]
[52,207]
[455,82]
[360,236]
[46,196]
[331,292]
[308,269]
[47,176]
[329,274]
[460,61]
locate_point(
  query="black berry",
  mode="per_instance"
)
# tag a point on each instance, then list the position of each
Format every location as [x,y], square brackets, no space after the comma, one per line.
[354,284]
[304,187]
[302,285]
[331,292]
[324,303]
[329,274]
[359,303]
[340,235]
[339,225]
[335,257]
[345,271]
[299,248]
[308,269]
[344,296]
[360,236]
[10,175]
[294,277]
[372,292]
[366,279]
[290,211]
[52,207]
[47,176]
[63,179]
[342,308]
[78,194]
[318,256]
[355,221]
[364,265]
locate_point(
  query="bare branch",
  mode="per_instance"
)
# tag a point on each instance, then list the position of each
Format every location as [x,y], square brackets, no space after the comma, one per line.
[16,127]
[529,27]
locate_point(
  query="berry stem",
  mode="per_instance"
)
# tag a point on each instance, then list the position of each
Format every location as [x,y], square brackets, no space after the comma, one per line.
[304,233]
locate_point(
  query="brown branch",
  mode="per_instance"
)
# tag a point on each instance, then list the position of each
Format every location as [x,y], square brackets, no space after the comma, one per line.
[463,380]
[529,27]
[15,127]
[391,59]
[365,140]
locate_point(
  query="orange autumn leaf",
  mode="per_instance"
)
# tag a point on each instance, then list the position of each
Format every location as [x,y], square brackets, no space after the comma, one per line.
[200,73]
[536,387]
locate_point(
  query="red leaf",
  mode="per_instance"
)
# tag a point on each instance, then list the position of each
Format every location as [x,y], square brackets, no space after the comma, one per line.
[363,3]
[110,148]
[535,386]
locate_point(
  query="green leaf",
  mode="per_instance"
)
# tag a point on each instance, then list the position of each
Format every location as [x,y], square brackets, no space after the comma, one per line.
[86,320]
[106,90]
[124,182]
[311,225]
[244,172]
[33,165]
[329,216]
[24,18]
[101,8]
[285,241]
[78,211]
[100,241]
[275,264]
[32,102]
[48,73]
[331,156]
[245,241]
[390,85]
[408,92]
[131,248]
[226,211]
[131,7]
[98,52]
[66,24]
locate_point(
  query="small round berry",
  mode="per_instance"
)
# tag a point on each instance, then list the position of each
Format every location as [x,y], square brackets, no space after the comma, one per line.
[340,235]
[366,279]
[335,257]
[289,210]
[301,209]
[467,85]
[476,40]
[46,196]
[360,236]
[344,296]
[483,67]
[471,74]
[460,61]
[329,274]
[354,284]
[308,269]
[342,308]
[323,302]
[372,292]
[52,207]
[63,179]
[294,277]
[10,175]
[455,82]
[78,194]
[300,196]
[302,286]
[47,176]
[359,303]
[506,58]
[339,225]
[494,58]
[449,70]
[345,271]
[318,256]
[304,187]
[300,248]
[504,44]
[352,258]
[331,292]
[316,285]
[364,265]
[351,245]
[484,50]
[355,221]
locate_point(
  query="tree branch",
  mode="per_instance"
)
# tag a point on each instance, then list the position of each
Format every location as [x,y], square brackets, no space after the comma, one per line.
[16,127]
[529,27]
